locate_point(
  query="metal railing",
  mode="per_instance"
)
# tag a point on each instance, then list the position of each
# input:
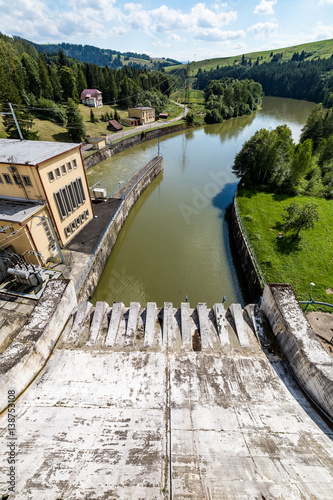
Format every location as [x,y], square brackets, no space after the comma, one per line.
[252,252]
[147,165]
[314,302]
[150,164]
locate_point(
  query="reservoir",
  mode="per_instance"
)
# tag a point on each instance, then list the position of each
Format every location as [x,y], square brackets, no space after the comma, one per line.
[175,242]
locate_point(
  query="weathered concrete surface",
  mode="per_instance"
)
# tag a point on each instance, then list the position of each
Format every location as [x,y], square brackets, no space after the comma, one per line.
[253,281]
[322,325]
[312,365]
[155,421]
[27,354]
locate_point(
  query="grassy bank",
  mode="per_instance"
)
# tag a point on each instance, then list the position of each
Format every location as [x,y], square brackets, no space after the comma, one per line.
[50,131]
[286,260]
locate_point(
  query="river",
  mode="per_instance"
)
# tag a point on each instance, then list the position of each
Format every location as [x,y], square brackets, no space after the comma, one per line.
[175,242]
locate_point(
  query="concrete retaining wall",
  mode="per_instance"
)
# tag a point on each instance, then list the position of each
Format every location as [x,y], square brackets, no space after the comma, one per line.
[27,355]
[253,280]
[145,135]
[94,271]
[311,364]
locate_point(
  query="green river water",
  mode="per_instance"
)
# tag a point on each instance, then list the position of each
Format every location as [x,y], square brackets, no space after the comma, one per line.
[175,242]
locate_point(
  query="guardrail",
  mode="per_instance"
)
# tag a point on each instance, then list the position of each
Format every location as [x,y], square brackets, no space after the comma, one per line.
[314,302]
[149,165]
[255,260]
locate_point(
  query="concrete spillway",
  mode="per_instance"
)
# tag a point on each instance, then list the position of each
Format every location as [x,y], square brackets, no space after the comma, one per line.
[148,403]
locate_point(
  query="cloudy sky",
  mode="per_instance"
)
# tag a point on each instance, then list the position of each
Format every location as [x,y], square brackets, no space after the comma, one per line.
[183,30]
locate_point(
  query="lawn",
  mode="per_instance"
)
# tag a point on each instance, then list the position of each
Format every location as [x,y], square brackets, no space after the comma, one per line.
[286,260]
[50,131]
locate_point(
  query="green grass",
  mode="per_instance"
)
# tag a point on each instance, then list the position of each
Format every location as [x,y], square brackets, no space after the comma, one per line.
[286,260]
[322,49]
[50,131]
[196,96]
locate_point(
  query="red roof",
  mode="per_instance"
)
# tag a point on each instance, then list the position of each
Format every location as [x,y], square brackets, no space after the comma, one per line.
[90,93]
[115,125]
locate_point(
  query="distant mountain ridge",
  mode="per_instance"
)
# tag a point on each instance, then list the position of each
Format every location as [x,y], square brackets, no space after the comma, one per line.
[103,57]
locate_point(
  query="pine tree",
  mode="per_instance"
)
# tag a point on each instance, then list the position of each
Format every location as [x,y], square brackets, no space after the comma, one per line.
[75,126]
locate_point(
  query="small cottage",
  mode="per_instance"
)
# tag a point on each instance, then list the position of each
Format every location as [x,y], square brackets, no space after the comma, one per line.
[114,126]
[143,113]
[92,98]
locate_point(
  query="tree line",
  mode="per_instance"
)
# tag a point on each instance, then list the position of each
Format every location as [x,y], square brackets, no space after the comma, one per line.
[49,86]
[310,80]
[228,98]
[271,160]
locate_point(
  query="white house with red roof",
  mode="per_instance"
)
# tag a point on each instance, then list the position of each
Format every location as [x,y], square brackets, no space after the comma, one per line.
[92,98]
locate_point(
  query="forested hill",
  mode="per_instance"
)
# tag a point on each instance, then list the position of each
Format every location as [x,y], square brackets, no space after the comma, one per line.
[310,80]
[103,57]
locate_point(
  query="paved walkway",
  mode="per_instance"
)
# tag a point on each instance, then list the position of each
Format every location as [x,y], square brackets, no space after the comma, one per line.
[153,125]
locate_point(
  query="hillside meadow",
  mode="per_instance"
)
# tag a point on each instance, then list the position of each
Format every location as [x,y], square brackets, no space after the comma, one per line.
[286,260]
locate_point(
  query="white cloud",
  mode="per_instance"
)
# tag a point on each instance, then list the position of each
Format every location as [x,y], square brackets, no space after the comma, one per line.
[176,38]
[323,2]
[218,35]
[265,7]
[261,30]
[322,31]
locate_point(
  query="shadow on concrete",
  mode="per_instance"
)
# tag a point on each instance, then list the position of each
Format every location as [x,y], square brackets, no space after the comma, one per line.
[86,240]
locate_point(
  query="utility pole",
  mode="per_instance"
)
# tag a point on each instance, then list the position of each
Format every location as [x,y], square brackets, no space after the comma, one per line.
[12,112]
[187,85]
[15,120]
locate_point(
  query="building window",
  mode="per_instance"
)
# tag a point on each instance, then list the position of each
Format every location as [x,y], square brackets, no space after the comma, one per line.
[1,179]
[69,166]
[81,188]
[86,213]
[51,176]
[17,179]
[26,180]
[68,230]
[74,163]
[8,178]
[78,221]
[63,169]
[83,217]
[57,172]
[66,199]
[73,225]
[72,196]
[47,231]
[60,204]
[2,229]
[69,197]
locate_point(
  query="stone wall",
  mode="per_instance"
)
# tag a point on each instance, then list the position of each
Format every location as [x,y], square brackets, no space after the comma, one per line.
[253,281]
[311,364]
[92,274]
[126,143]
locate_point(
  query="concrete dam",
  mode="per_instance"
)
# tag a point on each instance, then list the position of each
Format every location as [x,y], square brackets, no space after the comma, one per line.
[162,401]
[157,403]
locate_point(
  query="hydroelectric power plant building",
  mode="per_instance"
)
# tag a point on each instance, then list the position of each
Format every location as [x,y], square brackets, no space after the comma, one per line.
[44,197]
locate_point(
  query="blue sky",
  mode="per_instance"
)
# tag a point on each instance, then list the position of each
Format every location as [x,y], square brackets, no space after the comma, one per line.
[183,30]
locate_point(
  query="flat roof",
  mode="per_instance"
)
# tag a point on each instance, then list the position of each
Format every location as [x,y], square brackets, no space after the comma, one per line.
[18,210]
[31,152]
[143,108]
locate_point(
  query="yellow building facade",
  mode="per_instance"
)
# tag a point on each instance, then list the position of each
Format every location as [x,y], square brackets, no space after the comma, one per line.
[144,114]
[44,196]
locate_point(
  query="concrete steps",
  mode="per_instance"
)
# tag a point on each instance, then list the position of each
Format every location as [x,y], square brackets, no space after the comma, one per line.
[163,329]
